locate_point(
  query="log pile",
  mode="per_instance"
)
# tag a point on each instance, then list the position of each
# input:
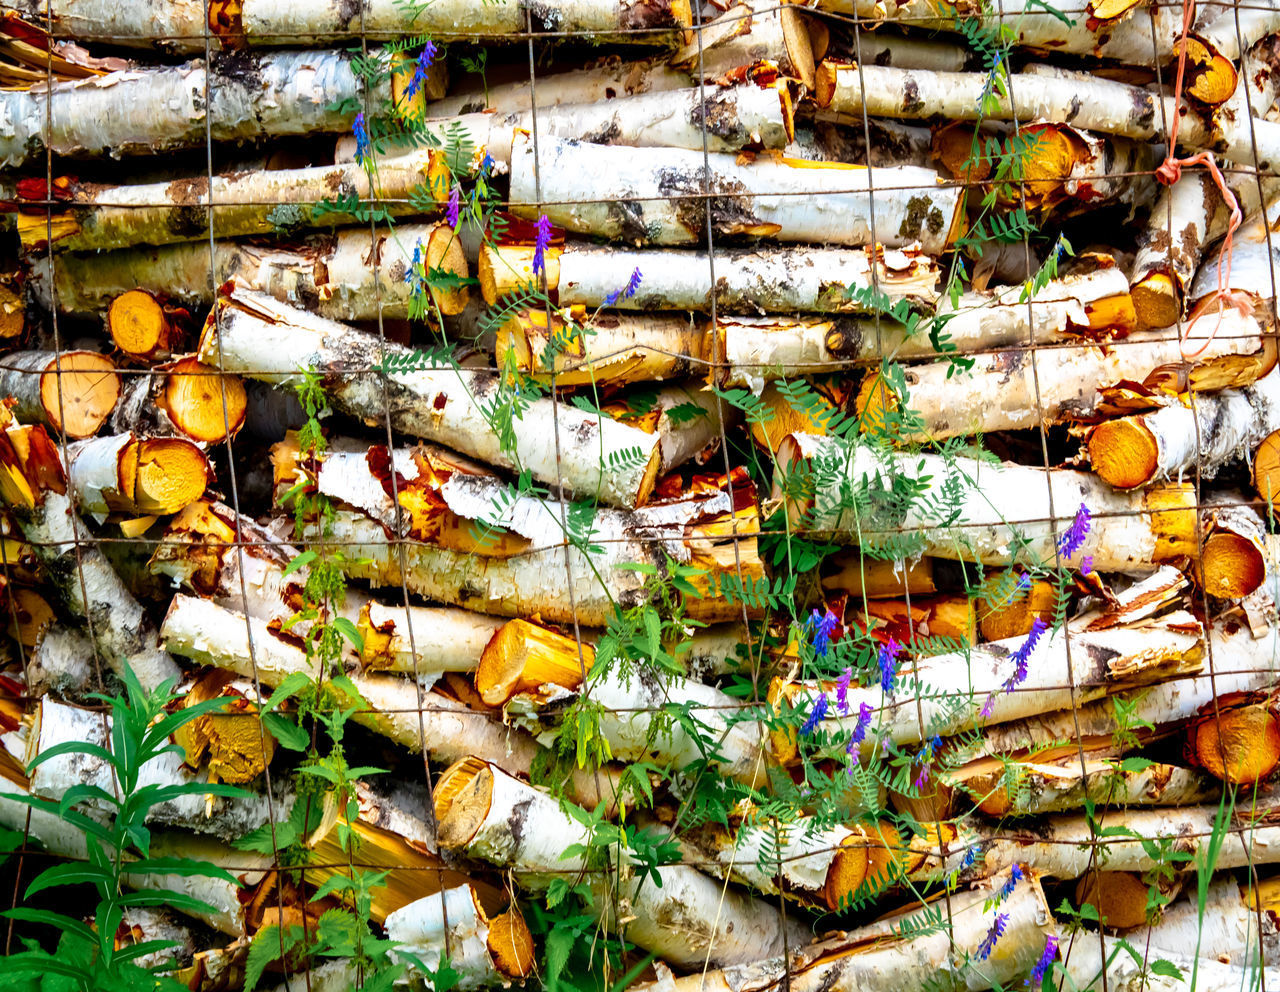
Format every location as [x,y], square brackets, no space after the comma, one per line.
[783,495]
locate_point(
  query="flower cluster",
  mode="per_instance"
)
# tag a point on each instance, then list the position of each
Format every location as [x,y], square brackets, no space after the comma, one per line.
[451,210]
[926,755]
[1021,658]
[1006,890]
[821,626]
[541,242]
[1047,958]
[413,274]
[425,58]
[859,733]
[888,659]
[363,146]
[842,691]
[994,934]
[816,716]
[1072,539]
[626,292]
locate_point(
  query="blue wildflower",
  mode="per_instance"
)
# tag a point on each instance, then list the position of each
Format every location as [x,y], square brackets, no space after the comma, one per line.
[1073,537]
[413,274]
[994,934]
[816,716]
[1046,959]
[842,691]
[888,659]
[451,210]
[1006,890]
[362,138]
[626,292]
[1023,655]
[486,164]
[821,626]
[970,856]
[425,58]
[541,242]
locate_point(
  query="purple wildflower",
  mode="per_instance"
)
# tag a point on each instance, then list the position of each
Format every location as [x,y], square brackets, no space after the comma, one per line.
[922,776]
[451,210]
[1073,537]
[994,934]
[842,691]
[1023,655]
[425,58]
[859,732]
[541,242]
[1086,564]
[362,138]
[1046,959]
[816,716]
[626,292]
[1006,890]
[888,658]
[821,626]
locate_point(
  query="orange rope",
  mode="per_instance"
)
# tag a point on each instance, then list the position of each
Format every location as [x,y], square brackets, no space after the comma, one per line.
[1170,171]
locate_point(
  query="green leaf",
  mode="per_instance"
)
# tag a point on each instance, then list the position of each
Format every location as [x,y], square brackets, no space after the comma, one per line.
[72,747]
[1166,969]
[559,945]
[266,947]
[71,873]
[1135,764]
[288,733]
[49,918]
[182,867]
[348,630]
[289,686]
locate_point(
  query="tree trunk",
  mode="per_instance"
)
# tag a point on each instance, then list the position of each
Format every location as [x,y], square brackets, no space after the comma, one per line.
[182,27]
[71,392]
[147,111]
[900,953]
[688,920]
[1014,390]
[662,194]
[37,493]
[1065,669]
[136,475]
[473,545]
[560,445]
[1131,532]
[818,280]
[212,635]
[1173,440]
[261,202]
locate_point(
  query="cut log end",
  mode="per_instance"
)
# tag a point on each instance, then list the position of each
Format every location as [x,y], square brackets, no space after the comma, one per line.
[1233,565]
[205,404]
[1014,618]
[504,270]
[511,944]
[1124,453]
[138,325]
[444,251]
[523,656]
[29,615]
[1156,300]
[1266,471]
[795,34]
[1239,744]
[462,798]
[1120,898]
[167,474]
[78,392]
[1212,77]
[847,873]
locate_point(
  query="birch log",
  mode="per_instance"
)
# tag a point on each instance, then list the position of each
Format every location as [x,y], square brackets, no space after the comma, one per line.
[1123,974]
[141,476]
[1228,930]
[453,927]
[1131,532]
[328,274]
[212,635]
[1079,99]
[661,197]
[72,392]
[1133,34]
[1066,668]
[33,483]
[182,399]
[1203,435]
[748,33]
[891,955]
[1017,390]
[891,143]
[688,920]
[1247,268]
[146,111]
[820,280]
[589,455]
[460,538]
[182,26]
[259,202]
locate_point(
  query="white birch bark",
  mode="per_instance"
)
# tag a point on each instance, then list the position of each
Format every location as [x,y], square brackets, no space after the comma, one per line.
[1254,250]
[1019,390]
[1226,932]
[590,455]
[1131,532]
[658,197]
[892,143]
[1066,668]
[756,347]
[780,280]
[212,635]
[1141,36]
[748,33]
[146,111]
[1217,428]
[1228,27]
[550,575]
[449,926]
[327,274]
[125,473]
[181,24]
[689,920]
[61,664]
[1085,966]
[893,955]
[609,78]
[1078,99]
[184,209]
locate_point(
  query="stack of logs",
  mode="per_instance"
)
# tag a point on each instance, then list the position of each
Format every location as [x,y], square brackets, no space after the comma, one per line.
[790,180]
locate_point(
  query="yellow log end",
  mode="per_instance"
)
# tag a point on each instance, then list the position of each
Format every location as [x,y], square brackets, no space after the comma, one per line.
[522,656]
[1156,300]
[1120,898]
[1124,452]
[203,403]
[1239,745]
[79,391]
[462,797]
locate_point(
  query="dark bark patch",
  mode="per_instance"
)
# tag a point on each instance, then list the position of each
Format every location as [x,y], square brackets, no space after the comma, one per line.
[921,215]
[646,15]
[911,102]
[718,114]
[189,216]
[606,134]
[516,821]
[844,340]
